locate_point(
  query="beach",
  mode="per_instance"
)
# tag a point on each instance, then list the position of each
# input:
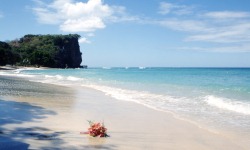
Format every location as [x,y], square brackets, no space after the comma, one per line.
[124,75]
[52,117]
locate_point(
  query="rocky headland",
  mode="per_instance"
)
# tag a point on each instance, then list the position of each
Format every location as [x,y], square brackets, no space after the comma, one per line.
[55,51]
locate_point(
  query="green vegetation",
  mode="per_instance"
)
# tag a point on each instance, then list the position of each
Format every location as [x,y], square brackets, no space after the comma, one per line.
[7,55]
[58,51]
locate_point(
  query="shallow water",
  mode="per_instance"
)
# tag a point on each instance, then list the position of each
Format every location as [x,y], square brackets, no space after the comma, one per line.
[218,98]
[46,116]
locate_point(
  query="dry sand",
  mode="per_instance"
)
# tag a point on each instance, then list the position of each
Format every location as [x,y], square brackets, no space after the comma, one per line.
[55,122]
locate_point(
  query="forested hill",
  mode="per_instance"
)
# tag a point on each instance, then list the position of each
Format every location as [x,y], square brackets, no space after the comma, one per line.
[56,51]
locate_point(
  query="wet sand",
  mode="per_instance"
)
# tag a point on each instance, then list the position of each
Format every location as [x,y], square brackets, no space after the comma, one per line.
[52,117]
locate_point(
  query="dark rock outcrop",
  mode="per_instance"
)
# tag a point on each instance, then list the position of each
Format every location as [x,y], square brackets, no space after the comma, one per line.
[69,54]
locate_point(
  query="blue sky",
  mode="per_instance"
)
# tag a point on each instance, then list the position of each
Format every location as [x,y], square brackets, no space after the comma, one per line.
[164,33]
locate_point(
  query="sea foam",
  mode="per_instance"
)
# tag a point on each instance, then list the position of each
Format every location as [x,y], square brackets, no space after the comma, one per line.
[71,78]
[16,75]
[151,100]
[227,104]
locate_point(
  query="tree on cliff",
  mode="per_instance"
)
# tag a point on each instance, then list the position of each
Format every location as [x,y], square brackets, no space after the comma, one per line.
[57,51]
[7,56]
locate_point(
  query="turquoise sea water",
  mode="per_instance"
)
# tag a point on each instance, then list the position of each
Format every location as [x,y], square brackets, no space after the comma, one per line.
[215,97]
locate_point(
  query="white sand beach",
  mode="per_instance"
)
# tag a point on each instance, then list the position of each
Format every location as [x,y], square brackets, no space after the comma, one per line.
[54,121]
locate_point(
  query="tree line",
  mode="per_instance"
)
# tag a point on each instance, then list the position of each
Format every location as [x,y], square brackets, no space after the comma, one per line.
[36,50]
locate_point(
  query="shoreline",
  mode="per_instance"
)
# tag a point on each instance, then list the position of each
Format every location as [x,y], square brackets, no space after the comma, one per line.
[8,67]
[130,125]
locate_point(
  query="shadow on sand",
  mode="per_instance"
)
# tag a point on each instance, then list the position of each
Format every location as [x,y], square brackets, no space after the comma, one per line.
[12,113]
[20,112]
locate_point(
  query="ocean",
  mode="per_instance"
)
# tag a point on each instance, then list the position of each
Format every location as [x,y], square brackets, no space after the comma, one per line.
[212,98]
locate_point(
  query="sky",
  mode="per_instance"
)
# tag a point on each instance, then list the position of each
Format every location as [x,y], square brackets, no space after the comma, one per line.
[145,33]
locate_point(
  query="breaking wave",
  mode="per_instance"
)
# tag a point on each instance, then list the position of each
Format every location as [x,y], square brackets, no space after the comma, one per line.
[227,104]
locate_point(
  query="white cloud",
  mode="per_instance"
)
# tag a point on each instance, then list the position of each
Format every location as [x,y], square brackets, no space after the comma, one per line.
[167,8]
[120,15]
[82,25]
[222,49]
[194,26]
[226,15]
[221,32]
[225,34]
[219,26]
[47,17]
[72,16]
[84,40]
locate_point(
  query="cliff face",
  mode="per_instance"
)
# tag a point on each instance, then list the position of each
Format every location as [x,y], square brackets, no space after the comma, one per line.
[73,54]
[56,51]
[69,55]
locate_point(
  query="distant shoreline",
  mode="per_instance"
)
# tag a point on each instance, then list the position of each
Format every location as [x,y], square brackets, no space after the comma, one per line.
[19,67]
[9,67]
